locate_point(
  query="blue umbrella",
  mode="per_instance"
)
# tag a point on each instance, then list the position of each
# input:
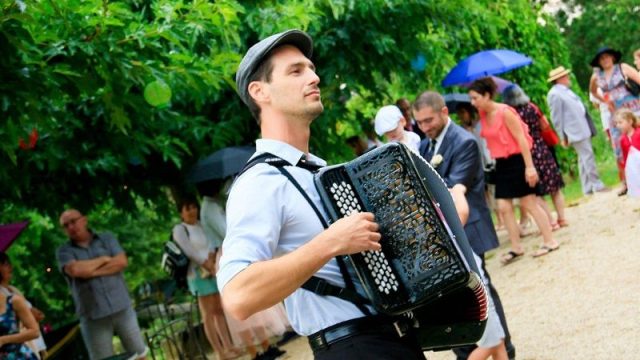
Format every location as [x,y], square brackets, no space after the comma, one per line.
[485,63]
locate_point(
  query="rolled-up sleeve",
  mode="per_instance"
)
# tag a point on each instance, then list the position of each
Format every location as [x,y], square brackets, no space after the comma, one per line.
[254,221]
[64,255]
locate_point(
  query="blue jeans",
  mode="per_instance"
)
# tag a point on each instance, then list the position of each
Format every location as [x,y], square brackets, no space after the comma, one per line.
[98,334]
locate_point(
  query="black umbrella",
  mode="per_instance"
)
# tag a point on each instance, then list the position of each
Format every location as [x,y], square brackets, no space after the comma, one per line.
[221,164]
[455,99]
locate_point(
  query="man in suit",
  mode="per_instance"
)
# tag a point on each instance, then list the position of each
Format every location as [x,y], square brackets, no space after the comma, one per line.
[455,154]
[569,118]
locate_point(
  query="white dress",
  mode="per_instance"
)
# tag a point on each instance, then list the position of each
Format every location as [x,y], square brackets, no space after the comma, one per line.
[262,325]
[632,172]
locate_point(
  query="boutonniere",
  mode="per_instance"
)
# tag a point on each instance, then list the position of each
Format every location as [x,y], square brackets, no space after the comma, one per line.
[436,160]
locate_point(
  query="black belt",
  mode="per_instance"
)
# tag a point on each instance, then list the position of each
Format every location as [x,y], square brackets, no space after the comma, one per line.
[322,339]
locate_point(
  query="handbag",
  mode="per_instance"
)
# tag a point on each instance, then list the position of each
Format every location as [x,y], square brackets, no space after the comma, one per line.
[632,86]
[175,262]
[546,131]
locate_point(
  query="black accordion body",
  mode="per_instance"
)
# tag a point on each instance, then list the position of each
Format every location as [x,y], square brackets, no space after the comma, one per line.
[425,269]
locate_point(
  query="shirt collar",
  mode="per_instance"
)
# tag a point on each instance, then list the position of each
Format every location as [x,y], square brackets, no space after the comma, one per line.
[285,151]
[94,236]
[441,136]
[561,86]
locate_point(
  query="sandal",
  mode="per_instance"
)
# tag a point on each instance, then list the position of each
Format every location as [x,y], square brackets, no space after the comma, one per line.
[510,257]
[555,226]
[232,353]
[544,250]
[563,222]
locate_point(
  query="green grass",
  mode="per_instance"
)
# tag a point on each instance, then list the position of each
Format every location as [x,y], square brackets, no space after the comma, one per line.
[608,172]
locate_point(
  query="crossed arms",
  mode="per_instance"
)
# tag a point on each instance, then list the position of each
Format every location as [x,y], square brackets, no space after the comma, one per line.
[100,266]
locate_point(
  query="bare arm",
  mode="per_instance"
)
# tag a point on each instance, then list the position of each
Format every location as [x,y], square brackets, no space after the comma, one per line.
[630,73]
[265,283]
[37,314]
[115,265]
[513,124]
[458,192]
[593,89]
[85,268]
[30,330]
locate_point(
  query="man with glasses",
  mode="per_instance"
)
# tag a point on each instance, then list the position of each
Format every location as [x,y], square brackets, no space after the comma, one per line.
[460,163]
[92,265]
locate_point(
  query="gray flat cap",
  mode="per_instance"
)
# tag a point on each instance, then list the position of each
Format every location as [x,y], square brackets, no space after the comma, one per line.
[257,52]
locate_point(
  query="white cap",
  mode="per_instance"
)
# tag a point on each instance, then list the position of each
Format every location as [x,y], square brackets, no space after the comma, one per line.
[387,119]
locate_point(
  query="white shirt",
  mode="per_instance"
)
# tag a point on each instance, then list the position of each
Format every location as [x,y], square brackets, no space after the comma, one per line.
[213,220]
[605,114]
[195,244]
[412,140]
[268,217]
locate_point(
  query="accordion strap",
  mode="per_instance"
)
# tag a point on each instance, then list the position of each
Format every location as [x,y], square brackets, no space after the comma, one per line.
[315,284]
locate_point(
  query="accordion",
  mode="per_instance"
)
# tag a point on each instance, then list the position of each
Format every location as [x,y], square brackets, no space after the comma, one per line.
[426,268]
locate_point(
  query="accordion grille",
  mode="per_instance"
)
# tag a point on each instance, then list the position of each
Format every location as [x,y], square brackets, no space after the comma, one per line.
[418,260]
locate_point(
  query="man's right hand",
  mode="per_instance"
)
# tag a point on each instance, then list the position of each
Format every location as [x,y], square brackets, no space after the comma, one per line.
[354,233]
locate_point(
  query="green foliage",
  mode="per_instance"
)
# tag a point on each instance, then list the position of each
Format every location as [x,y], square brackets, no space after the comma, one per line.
[587,26]
[126,95]
[141,232]
[80,81]
[601,23]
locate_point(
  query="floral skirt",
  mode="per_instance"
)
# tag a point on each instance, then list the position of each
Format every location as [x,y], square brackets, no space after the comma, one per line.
[16,352]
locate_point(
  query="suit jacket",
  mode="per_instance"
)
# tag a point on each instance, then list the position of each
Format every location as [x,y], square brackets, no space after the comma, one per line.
[462,164]
[568,114]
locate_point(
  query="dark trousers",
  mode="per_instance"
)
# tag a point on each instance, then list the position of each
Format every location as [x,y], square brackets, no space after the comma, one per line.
[373,345]
[462,353]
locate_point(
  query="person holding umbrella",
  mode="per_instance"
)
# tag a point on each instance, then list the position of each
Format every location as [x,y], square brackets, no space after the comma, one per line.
[201,251]
[510,144]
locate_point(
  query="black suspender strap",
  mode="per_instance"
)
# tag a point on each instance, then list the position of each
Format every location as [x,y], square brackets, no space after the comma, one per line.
[304,194]
[315,284]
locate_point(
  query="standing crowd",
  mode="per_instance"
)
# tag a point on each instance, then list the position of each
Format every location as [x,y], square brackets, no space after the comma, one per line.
[254,245]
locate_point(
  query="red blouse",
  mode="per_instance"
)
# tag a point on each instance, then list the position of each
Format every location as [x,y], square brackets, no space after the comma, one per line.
[626,142]
[500,141]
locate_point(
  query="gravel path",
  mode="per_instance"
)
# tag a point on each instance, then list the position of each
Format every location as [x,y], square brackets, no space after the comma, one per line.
[579,302]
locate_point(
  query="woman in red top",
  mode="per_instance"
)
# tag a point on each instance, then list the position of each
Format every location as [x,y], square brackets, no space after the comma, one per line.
[509,143]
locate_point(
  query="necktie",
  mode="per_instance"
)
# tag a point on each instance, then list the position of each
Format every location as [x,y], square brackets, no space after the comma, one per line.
[432,148]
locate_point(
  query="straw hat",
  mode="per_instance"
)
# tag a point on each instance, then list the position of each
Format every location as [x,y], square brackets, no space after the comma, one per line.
[557,73]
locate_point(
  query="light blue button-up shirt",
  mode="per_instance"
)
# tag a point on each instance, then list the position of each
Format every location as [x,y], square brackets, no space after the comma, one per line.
[268,217]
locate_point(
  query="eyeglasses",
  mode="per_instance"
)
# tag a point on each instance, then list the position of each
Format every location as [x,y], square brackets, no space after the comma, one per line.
[66,224]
